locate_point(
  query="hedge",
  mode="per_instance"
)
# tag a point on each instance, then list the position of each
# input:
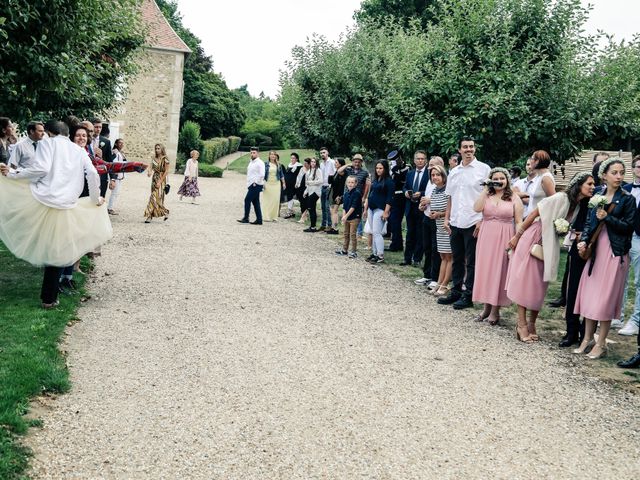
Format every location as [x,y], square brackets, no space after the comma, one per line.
[234,144]
[214,149]
[205,170]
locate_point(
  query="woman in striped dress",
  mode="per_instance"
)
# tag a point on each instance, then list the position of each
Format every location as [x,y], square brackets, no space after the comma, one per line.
[438,205]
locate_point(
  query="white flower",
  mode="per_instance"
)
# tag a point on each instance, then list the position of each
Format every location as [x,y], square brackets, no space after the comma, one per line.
[561,225]
[597,201]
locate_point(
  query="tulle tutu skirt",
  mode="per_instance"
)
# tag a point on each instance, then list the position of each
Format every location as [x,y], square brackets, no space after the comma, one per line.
[43,235]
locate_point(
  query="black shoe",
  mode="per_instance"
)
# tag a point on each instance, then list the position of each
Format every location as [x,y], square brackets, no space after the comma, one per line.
[333,231]
[389,249]
[558,302]
[463,302]
[449,299]
[633,362]
[256,222]
[310,230]
[243,220]
[567,342]
[371,257]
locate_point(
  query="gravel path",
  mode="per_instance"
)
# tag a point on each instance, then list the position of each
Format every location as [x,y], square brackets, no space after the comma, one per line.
[212,349]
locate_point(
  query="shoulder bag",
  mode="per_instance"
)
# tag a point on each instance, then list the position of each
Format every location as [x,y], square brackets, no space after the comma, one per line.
[588,251]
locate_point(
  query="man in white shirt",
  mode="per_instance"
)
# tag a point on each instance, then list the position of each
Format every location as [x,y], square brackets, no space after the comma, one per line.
[24,153]
[328,169]
[255,183]
[463,222]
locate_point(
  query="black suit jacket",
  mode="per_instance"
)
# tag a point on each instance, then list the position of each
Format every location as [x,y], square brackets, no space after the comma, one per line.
[408,185]
[107,155]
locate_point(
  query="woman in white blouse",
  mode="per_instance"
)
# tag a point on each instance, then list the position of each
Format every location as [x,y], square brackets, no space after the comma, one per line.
[313,180]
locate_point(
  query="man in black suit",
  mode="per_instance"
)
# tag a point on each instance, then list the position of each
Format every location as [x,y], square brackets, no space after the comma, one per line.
[104,144]
[414,189]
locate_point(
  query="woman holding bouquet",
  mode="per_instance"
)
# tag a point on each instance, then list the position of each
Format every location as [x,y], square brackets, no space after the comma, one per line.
[536,255]
[500,208]
[599,297]
[583,185]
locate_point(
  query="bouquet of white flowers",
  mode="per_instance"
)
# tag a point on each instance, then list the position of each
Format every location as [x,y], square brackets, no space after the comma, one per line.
[597,201]
[561,226]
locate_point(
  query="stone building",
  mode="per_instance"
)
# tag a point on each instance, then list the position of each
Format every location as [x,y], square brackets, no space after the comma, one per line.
[150,113]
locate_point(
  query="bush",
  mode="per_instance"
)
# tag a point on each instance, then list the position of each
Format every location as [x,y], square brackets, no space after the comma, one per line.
[189,138]
[234,144]
[181,161]
[214,149]
[205,170]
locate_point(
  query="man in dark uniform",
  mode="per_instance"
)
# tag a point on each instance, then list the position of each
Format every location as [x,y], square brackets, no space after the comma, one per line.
[399,176]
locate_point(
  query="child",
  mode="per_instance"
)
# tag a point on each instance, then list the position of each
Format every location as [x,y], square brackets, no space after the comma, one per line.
[189,187]
[352,204]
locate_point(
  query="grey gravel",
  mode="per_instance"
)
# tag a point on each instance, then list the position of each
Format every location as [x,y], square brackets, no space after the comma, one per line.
[212,349]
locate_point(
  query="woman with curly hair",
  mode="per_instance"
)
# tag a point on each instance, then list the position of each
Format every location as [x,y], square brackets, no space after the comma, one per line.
[500,209]
[160,170]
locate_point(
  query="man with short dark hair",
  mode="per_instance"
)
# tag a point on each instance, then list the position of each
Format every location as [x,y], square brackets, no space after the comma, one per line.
[414,189]
[463,222]
[104,144]
[24,153]
[454,161]
[328,169]
[399,176]
[255,183]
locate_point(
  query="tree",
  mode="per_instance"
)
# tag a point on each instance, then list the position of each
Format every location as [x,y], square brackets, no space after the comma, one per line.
[66,56]
[207,99]
[512,73]
[262,124]
[402,11]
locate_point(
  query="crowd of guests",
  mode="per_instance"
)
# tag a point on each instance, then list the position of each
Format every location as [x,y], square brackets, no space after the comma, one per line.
[53,185]
[480,234]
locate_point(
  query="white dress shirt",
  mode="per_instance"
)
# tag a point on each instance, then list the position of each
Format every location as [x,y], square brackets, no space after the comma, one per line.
[427,193]
[58,172]
[23,154]
[255,172]
[327,168]
[464,187]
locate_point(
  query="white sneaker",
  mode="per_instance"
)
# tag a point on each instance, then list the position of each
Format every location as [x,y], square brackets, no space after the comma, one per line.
[616,323]
[629,329]
[421,281]
[432,285]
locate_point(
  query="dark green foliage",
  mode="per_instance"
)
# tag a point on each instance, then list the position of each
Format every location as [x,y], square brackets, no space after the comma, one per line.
[207,99]
[515,74]
[63,56]
[205,170]
[403,11]
[189,138]
[262,124]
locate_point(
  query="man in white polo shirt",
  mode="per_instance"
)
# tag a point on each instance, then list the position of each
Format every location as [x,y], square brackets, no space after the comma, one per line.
[463,222]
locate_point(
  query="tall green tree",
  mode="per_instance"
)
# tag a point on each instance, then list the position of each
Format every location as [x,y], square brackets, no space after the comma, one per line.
[207,99]
[66,56]
[513,73]
[402,11]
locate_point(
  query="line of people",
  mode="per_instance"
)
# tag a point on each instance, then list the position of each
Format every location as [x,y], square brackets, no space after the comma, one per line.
[483,236]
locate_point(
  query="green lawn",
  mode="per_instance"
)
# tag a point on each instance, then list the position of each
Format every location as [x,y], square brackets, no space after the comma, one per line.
[30,361]
[240,164]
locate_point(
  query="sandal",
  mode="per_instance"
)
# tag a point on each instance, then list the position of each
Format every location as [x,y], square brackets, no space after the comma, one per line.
[493,322]
[479,318]
[440,290]
[526,339]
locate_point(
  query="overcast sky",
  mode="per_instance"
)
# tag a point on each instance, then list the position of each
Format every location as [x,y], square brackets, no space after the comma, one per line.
[250,40]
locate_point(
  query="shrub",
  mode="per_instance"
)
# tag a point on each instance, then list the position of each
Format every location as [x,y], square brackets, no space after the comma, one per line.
[214,149]
[205,170]
[189,138]
[181,161]
[234,144]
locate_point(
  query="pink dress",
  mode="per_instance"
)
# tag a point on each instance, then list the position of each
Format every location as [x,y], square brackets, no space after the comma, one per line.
[492,262]
[599,295]
[525,286]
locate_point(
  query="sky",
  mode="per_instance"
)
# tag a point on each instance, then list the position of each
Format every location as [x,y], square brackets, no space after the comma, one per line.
[250,40]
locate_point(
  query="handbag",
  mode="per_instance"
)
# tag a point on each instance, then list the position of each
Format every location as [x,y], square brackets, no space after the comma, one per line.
[167,187]
[588,251]
[537,251]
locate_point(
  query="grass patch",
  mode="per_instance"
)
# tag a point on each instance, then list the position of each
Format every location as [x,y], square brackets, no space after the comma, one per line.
[30,361]
[240,164]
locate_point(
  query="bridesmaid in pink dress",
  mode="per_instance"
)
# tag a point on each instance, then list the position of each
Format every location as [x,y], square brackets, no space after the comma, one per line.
[599,297]
[500,208]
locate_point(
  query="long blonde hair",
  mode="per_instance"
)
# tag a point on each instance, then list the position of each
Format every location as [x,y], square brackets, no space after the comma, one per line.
[163,151]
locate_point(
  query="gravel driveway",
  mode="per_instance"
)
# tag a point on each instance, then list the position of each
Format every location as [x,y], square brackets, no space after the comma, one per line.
[212,349]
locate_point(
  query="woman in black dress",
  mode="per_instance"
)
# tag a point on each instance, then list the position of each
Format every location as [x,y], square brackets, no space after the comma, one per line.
[290,177]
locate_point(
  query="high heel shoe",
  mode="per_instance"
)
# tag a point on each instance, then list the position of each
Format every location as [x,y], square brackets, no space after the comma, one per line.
[598,352]
[585,347]
[520,337]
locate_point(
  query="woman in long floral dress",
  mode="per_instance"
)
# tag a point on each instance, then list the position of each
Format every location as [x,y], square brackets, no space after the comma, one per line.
[159,169]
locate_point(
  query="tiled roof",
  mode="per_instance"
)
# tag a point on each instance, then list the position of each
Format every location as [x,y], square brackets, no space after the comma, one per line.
[161,35]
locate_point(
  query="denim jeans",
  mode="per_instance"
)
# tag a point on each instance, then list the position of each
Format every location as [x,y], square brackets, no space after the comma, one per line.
[634,254]
[325,206]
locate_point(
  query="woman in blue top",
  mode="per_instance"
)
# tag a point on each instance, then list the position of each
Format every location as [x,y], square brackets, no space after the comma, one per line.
[377,208]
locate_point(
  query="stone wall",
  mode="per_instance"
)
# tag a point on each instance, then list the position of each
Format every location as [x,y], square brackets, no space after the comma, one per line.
[151,111]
